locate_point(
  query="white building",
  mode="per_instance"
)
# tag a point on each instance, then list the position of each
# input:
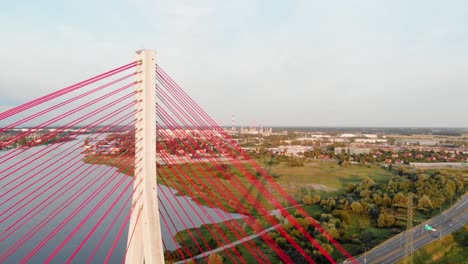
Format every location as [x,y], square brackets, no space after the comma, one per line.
[347,135]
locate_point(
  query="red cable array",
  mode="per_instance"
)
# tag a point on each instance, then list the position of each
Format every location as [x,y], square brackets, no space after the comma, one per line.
[181,173]
[250,198]
[34,179]
[59,209]
[66,153]
[105,109]
[49,186]
[66,90]
[280,230]
[212,184]
[189,106]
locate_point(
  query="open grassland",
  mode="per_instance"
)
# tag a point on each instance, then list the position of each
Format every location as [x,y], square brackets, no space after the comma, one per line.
[450,249]
[324,176]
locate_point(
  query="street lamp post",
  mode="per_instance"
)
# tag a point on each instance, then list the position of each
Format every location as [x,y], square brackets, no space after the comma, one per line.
[365,254]
[401,239]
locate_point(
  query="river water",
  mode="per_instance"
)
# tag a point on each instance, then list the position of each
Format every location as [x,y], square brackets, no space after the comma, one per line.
[34,183]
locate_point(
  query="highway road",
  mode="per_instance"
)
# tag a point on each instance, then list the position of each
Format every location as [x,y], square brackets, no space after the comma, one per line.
[446,223]
[393,249]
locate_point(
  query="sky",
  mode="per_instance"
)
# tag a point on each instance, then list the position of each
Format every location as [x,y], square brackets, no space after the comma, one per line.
[394,63]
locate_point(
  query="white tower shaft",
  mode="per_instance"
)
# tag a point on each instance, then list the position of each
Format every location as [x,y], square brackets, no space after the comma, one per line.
[144,236]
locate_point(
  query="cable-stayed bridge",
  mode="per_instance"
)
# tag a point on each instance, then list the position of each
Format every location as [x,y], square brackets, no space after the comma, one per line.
[112,168]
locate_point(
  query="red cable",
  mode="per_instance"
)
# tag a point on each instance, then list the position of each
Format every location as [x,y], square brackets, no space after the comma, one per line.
[59,154]
[71,216]
[44,222]
[201,219]
[227,190]
[304,234]
[287,235]
[63,91]
[214,163]
[15,124]
[113,223]
[222,216]
[170,231]
[99,222]
[64,115]
[186,136]
[46,183]
[170,160]
[130,236]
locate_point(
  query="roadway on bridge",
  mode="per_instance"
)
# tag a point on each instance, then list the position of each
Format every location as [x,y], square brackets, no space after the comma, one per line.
[446,223]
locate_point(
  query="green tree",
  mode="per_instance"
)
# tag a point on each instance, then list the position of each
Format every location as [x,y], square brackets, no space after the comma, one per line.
[316,199]
[450,189]
[281,241]
[386,219]
[367,183]
[400,199]
[425,203]
[365,193]
[327,248]
[215,259]
[386,200]
[307,199]
[357,208]
[334,232]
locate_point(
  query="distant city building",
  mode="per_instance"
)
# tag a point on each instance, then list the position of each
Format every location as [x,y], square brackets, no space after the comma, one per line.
[340,140]
[370,140]
[421,142]
[319,136]
[369,135]
[256,131]
[308,139]
[291,150]
[352,150]
[347,135]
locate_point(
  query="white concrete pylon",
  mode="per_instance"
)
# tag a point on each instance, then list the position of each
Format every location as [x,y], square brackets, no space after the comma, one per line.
[144,235]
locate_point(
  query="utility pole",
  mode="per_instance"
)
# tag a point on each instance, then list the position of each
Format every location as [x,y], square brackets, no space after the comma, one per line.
[144,243]
[408,257]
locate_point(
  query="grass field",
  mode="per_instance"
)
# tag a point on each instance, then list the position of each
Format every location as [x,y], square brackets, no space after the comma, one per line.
[324,176]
